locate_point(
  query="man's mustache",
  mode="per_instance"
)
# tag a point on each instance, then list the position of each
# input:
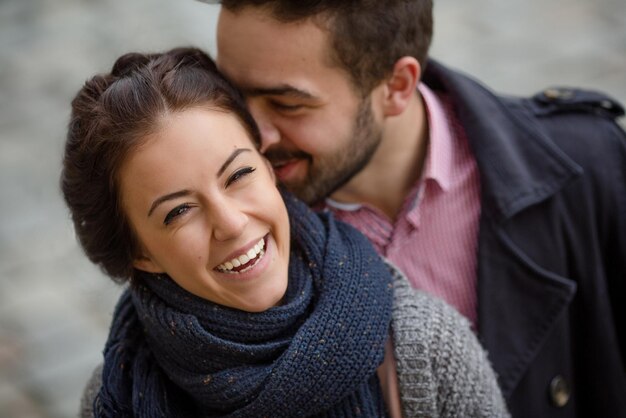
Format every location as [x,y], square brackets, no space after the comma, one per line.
[280,155]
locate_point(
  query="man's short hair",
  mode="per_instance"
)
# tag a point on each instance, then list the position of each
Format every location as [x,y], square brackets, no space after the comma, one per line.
[368,36]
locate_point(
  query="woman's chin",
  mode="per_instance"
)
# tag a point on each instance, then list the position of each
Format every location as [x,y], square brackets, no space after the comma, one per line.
[264,302]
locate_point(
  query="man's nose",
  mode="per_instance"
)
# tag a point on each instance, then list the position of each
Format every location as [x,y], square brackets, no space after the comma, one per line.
[270,135]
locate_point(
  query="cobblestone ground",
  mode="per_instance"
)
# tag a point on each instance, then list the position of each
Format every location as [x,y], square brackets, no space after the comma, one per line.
[54,306]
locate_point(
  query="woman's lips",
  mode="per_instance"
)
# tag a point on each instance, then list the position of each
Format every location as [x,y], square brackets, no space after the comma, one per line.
[244,260]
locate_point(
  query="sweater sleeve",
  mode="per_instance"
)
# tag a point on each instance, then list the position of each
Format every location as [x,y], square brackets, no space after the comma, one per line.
[443,370]
[89,394]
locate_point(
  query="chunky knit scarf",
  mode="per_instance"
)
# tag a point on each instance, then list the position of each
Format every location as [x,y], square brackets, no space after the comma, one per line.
[170,353]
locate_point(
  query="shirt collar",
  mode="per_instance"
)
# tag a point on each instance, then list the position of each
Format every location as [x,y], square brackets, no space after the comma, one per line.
[346,207]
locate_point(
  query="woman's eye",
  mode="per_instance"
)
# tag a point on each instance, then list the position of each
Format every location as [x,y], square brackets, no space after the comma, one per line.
[237,175]
[175,213]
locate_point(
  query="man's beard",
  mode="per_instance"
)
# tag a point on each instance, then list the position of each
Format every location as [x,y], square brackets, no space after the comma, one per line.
[326,174]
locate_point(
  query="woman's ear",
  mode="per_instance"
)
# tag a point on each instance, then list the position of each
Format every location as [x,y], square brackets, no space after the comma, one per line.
[145,263]
[400,87]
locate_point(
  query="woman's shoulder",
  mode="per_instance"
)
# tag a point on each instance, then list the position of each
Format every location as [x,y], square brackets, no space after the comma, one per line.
[442,368]
[424,327]
[89,393]
[431,313]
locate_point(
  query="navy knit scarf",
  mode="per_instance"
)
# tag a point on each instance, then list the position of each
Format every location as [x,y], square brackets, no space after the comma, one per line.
[172,354]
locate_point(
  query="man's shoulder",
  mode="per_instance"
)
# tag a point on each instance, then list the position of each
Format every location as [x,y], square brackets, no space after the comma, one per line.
[575,119]
[551,103]
[575,105]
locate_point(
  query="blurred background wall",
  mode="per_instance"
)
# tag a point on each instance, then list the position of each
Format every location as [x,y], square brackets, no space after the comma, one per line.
[55,307]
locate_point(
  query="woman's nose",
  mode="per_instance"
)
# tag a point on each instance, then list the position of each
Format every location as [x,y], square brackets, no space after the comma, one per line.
[229,221]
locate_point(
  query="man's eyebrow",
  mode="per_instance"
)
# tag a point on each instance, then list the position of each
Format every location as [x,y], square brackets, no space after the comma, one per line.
[182,193]
[282,90]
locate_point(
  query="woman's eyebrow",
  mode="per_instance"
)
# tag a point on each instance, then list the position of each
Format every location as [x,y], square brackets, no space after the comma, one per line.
[165,198]
[230,159]
[181,193]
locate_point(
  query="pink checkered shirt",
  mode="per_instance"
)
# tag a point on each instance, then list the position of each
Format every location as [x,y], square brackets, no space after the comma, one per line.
[434,238]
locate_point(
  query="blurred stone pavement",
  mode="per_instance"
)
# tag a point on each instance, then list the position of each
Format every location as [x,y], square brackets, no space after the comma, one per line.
[55,307]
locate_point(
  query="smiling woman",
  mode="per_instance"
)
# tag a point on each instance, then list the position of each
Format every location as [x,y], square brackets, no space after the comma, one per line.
[241,301]
[208,213]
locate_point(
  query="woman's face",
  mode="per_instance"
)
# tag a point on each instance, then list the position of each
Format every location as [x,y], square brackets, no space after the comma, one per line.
[205,208]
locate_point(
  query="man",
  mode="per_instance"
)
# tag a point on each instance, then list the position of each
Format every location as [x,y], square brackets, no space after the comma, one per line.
[512,210]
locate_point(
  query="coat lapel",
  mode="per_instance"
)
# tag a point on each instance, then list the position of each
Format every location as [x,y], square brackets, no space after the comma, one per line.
[519,302]
[519,167]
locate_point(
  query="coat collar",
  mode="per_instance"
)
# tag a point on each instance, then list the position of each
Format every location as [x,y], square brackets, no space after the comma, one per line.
[519,164]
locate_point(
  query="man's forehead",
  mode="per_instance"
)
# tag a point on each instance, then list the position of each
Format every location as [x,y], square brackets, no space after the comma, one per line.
[264,56]
[256,26]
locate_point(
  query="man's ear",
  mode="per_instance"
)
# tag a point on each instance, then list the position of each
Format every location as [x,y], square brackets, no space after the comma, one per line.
[400,86]
[145,263]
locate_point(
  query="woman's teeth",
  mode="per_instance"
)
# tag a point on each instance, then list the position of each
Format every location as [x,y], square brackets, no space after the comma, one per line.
[244,261]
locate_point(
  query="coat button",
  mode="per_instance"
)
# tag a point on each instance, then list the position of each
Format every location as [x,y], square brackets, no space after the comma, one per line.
[559,391]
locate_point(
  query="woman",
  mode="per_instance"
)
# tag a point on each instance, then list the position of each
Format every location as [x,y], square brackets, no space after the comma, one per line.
[241,301]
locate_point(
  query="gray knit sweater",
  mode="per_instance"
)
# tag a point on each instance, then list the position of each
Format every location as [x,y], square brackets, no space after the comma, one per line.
[442,369]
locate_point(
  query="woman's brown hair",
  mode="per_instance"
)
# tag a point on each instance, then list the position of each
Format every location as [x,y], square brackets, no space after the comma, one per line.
[111,116]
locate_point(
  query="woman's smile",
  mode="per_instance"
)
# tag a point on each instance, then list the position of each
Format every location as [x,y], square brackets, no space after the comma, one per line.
[245,260]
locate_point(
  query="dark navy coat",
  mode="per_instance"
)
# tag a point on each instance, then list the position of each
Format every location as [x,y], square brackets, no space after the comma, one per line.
[552,244]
